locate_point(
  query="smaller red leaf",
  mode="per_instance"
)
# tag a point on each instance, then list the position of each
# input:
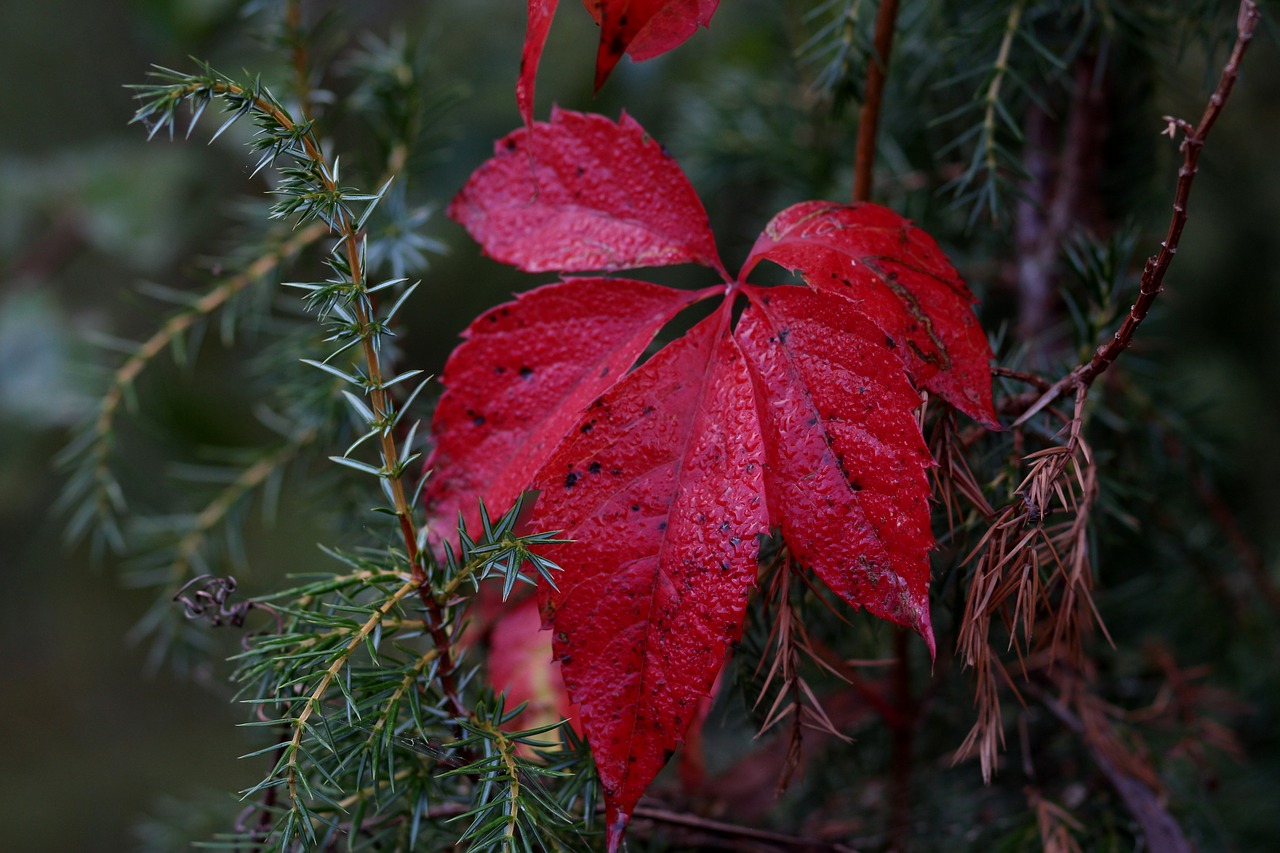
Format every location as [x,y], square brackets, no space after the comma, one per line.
[846,462]
[535,39]
[518,383]
[582,194]
[663,498]
[520,664]
[897,276]
[644,29]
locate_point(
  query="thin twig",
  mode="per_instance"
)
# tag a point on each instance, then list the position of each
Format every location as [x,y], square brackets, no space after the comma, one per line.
[715,827]
[872,101]
[1158,264]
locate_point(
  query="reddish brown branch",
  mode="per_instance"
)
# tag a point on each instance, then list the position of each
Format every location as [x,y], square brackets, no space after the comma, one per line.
[1158,264]
[873,99]
[718,828]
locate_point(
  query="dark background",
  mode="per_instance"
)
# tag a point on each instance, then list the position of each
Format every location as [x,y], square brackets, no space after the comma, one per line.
[90,742]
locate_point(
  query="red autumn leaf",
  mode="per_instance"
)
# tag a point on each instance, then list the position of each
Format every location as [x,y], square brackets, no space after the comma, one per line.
[525,373]
[642,28]
[583,194]
[661,486]
[900,278]
[520,664]
[797,415]
[846,461]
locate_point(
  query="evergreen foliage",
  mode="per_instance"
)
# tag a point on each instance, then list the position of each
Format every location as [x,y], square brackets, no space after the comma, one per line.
[1017,133]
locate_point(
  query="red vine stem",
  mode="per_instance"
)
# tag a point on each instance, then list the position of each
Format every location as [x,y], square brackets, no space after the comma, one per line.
[1158,264]
[873,99]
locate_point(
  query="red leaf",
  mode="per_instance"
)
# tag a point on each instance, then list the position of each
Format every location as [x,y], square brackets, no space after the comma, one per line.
[519,382]
[520,664]
[661,487]
[535,39]
[898,276]
[582,194]
[846,460]
[644,28]
[801,417]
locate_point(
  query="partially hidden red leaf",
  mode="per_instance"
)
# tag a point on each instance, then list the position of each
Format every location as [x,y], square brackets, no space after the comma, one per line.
[846,474]
[518,383]
[520,664]
[660,485]
[644,29]
[535,39]
[583,194]
[898,276]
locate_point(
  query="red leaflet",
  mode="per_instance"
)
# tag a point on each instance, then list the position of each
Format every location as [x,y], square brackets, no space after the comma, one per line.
[846,474]
[661,487]
[518,384]
[582,194]
[535,39]
[520,664]
[642,28]
[900,278]
[798,415]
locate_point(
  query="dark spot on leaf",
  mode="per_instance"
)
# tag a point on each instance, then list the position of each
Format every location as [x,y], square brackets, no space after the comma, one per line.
[662,525]
[570,480]
[588,427]
[667,753]
[510,144]
[526,372]
[562,636]
[579,171]
[499,370]
[889,342]
[477,419]
[593,468]
[782,335]
[615,471]
[813,421]
[635,507]
[617,45]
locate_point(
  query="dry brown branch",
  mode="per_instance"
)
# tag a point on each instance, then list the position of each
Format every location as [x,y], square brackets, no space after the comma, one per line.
[1158,264]
[1128,774]
[1032,576]
[1055,824]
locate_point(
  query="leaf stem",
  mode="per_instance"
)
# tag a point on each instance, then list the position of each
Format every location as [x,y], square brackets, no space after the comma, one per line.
[873,100]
